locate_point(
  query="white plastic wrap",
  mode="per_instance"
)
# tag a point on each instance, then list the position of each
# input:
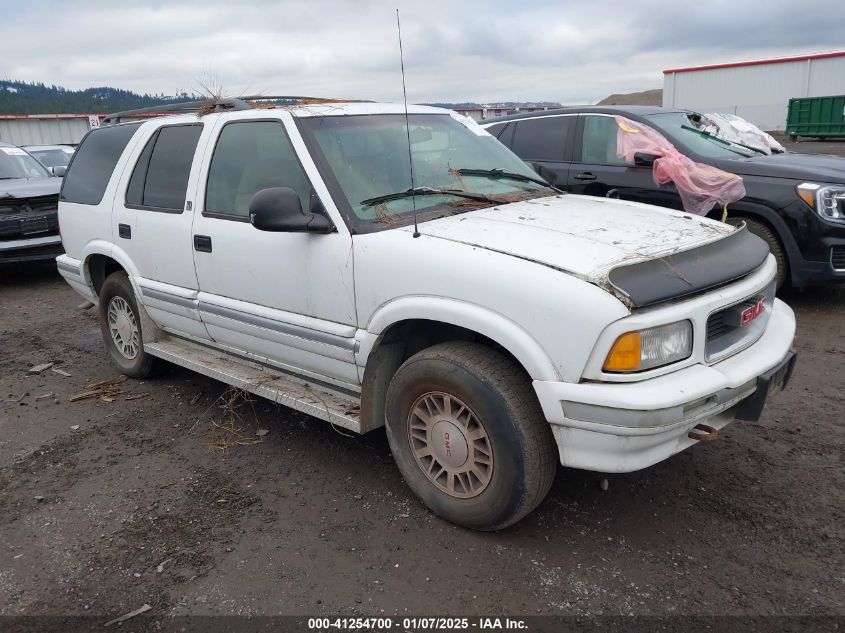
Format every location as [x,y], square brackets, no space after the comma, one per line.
[735,129]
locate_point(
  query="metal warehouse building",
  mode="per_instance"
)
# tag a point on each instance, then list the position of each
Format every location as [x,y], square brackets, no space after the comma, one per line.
[758,91]
[46,129]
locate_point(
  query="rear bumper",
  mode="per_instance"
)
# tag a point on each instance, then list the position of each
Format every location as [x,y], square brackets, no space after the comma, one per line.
[71,270]
[624,427]
[31,249]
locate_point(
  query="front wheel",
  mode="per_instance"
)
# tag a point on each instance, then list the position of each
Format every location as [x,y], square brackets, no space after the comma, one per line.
[120,324]
[468,435]
[764,232]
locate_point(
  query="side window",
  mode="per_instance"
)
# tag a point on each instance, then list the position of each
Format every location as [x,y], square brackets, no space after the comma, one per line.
[160,177]
[251,156]
[542,139]
[92,165]
[598,144]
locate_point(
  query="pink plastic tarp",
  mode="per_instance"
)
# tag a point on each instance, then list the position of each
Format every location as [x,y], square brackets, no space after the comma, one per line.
[700,186]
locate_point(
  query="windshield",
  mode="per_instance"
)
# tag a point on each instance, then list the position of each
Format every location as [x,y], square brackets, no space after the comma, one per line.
[678,128]
[16,163]
[53,157]
[367,157]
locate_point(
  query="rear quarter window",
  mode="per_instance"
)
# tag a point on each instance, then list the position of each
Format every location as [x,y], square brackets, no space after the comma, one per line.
[503,132]
[93,163]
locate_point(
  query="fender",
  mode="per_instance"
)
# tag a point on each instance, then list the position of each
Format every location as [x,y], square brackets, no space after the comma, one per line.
[770,216]
[102,247]
[774,219]
[473,317]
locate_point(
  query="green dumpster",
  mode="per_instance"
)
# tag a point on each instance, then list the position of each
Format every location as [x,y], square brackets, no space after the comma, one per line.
[823,117]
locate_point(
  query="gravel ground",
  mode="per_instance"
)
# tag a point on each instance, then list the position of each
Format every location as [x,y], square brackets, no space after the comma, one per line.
[807,146]
[106,506]
[138,505]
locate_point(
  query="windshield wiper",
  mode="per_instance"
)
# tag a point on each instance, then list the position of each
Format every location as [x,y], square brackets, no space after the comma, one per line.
[501,173]
[429,191]
[721,140]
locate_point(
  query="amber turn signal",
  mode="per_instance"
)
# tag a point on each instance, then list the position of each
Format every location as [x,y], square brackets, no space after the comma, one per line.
[625,354]
[807,192]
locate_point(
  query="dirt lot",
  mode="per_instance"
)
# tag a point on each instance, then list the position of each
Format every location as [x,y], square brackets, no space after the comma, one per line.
[106,506]
[809,146]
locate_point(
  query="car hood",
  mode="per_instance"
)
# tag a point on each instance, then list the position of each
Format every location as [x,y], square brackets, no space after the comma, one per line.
[816,167]
[581,235]
[29,187]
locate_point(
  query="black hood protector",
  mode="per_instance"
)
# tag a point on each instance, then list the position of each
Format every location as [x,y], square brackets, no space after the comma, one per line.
[690,272]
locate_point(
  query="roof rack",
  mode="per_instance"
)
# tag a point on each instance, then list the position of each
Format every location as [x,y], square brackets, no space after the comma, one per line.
[207,105]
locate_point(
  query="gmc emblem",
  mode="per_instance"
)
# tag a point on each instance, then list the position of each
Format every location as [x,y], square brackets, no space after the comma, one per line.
[749,314]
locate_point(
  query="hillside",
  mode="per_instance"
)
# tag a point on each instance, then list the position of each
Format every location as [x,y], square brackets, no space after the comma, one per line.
[18,97]
[646,97]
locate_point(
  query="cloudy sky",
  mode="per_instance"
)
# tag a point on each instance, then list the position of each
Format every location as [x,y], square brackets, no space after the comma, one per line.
[521,50]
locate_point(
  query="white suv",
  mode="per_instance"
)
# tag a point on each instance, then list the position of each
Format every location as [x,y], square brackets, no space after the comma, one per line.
[275,249]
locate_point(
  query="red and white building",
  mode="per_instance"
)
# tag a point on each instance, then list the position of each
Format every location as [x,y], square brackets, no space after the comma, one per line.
[759,90]
[46,129]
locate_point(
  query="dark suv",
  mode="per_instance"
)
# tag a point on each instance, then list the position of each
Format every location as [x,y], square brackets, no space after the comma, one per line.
[796,202]
[29,200]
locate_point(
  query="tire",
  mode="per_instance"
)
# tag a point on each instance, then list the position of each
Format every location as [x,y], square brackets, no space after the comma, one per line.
[493,403]
[124,341]
[765,233]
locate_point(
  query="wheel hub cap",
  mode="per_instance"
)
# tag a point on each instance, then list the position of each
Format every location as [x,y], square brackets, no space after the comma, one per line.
[450,445]
[123,327]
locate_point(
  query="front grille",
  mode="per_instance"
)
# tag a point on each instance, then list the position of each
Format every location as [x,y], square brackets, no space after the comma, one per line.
[837,257]
[737,326]
[22,218]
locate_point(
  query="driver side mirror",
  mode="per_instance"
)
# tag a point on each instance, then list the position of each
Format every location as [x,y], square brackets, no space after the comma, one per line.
[59,171]
[641,159]
[279,210]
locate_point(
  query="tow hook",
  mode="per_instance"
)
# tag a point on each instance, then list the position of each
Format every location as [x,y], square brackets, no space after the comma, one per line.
[703,433]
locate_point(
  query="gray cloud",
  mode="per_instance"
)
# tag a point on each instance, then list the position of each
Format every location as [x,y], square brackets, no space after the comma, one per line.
[572,52]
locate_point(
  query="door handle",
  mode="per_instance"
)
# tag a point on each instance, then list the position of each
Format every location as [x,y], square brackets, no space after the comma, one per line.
[124,231]
[585,176]
[202,243]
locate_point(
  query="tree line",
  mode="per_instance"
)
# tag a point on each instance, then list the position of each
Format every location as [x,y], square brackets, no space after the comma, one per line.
[19,97]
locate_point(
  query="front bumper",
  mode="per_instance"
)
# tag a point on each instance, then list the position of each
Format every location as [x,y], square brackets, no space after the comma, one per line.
[622,427]
[30,249]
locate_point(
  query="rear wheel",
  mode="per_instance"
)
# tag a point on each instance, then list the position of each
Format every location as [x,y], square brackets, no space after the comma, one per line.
[120,324]
[468,435]
[765,233]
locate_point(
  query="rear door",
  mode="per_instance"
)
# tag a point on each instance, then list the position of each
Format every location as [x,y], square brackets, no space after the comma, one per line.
[154,217]
[597,170]
[545,143]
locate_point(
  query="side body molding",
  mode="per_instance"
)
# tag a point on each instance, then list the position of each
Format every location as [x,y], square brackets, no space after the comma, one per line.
[493,325]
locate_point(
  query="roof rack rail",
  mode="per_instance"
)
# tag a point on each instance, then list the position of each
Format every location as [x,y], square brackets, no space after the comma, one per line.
[175,108]
[210,105]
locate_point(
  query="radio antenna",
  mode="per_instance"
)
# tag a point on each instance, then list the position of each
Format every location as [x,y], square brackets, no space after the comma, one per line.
[407,125]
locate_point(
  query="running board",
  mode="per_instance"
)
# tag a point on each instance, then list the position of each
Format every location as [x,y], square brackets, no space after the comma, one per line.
[294,392]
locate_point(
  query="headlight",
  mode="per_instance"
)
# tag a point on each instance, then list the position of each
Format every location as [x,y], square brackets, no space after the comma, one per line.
[650,348]
[827,200]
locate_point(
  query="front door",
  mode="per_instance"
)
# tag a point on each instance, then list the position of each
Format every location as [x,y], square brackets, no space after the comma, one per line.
[599,171]
[285,297]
